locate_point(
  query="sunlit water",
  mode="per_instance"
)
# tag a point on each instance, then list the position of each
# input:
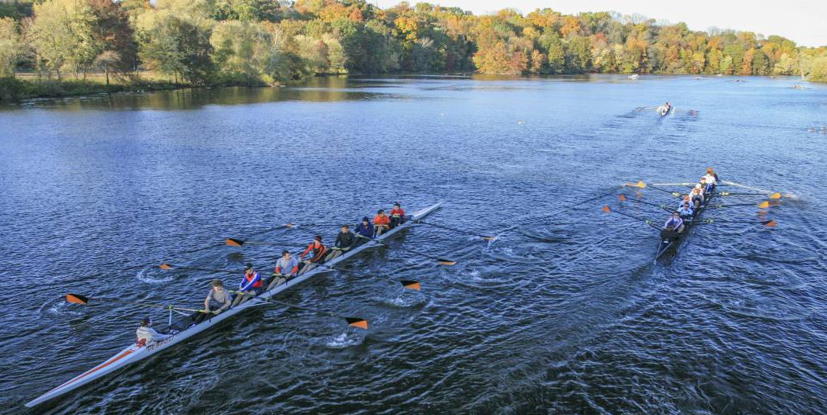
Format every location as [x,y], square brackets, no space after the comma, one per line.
[565,313]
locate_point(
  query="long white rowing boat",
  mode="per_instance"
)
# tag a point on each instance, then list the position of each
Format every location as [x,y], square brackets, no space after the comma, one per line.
[135,353]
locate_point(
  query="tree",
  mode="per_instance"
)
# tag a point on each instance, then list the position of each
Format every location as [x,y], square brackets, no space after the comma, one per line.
[10,46]
[177,47]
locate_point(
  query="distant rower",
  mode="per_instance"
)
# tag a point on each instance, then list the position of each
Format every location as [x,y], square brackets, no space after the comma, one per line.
[318,249]
[344,241]
[397,215]
[219,298]
[147,335]
[673,227]
[381,223]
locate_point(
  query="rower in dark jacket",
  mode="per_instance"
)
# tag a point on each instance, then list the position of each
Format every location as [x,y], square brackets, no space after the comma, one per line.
[344,241]
[364,231]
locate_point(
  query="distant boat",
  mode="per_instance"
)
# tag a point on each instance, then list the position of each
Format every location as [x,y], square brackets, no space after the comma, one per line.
[634,77]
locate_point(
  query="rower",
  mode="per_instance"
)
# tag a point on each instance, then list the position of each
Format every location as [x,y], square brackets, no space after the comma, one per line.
[381,223]
[250,286]
[697,196]
[318,249]
[286,267]
[686,210]
[711,178]
[218,298]
[705,186]
[344,241]
[364,232]
[147,335]
[673,227]
[397,215]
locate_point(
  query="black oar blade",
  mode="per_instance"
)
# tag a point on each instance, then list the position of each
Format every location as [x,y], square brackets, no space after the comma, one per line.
[234,242]
[77,299]
[357,322]
[446,262]
[166,266]
[411,285]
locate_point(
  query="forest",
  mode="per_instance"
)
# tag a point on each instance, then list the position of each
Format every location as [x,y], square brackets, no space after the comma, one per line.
[265,42]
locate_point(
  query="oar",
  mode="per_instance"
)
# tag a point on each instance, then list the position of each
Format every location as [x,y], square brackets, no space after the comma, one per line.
[411,285]
[623,198]
[484,237]
[441,261]
[772,196]
[768,223]
[763,205]
[236,242]
[357,322]
[607,209]
[296,225]
[169,267]
[642,185]
[80,299]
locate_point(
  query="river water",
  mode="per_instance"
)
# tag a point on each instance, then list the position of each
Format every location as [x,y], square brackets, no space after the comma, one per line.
[565,312]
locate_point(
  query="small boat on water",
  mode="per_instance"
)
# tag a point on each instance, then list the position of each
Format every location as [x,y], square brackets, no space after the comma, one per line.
[667,245]
[186,327]
[634,77]
[664,110]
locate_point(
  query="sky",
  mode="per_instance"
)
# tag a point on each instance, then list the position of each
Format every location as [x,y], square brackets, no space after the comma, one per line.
[803,21]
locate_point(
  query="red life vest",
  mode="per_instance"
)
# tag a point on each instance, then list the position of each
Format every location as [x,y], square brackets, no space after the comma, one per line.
[250,277]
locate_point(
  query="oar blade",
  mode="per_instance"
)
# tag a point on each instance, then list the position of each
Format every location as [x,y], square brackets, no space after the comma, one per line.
[489,238]
[769,223]
[411,285]
[234,242]
[446,262]
[763,205]
[775,196]
[357,322]
[166,266]
[607,209]
[77,299]
[622,197]
[641,185]
[289,225]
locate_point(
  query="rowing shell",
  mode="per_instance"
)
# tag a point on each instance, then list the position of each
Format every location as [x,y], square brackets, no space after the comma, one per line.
[136,353]
[666,245]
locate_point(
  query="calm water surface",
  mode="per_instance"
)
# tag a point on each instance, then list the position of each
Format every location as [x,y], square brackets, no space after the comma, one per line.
[564,313]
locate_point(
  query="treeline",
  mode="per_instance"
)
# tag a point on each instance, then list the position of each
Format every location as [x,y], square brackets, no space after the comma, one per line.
[258,42]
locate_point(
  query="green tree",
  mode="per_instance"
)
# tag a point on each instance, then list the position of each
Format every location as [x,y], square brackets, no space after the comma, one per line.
[11,46]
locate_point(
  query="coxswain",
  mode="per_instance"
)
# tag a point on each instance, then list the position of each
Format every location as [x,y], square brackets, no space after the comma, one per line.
[344,241]
[250,286]
[697,196]
[218,301]
[147,335]
[319,251]
[673,227]
[364,232]
[381,223]
[286,267]
[686,210]
[397,215]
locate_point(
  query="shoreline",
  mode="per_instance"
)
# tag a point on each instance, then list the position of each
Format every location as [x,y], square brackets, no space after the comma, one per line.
[19,89]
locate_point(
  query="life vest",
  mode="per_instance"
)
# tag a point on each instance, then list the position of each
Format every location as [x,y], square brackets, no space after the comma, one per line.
[398,213]
[318,253]
[381,220]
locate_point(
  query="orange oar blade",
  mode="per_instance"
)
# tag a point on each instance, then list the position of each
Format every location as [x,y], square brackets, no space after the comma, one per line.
[607,209]
[770,224]
[411,285]
[77,299]
[763,205]
[234,242]
[165,266]
[776,196]
[622,197]
[446,262]
[357,322]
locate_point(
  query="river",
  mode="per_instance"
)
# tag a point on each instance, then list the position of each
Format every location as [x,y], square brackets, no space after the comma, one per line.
[565,312]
